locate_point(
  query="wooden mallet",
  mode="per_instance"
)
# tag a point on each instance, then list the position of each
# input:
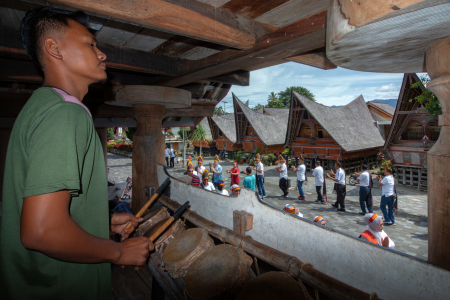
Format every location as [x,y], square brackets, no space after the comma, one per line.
[154,233]
[152,200]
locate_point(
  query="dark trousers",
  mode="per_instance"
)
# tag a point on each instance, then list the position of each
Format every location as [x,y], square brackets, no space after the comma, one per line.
[172,162]
[319,193]
[260,185]
[284,186]
[340,195]
[167,160]
[363,199]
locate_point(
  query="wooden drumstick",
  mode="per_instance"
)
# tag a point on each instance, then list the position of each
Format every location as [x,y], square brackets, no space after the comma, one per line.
[168,222]
[153,199]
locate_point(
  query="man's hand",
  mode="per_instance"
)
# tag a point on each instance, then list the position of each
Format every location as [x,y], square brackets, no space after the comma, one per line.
[356,174]
[134,251]
[332,173]
[385,242]
[254,168]
[120,221]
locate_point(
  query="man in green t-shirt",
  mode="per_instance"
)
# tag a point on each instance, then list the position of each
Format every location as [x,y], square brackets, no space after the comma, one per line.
[54,232]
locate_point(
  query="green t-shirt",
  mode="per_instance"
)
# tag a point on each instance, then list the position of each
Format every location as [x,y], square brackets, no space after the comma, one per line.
[249,182]
[53,146]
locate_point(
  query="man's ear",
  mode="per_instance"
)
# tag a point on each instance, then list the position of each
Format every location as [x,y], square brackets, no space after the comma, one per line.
[51,48]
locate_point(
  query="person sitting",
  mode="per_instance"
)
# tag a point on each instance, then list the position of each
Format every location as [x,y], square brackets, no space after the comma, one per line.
[235,190]
[221,188]
[249,180]
[190,171]
[374,232]
[290,209]
[205,184]
[321,221]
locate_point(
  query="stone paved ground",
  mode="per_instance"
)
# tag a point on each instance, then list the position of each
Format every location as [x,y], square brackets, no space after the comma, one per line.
[410,234]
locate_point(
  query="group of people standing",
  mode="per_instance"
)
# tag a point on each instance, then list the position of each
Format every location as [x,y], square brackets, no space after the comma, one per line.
[169,154]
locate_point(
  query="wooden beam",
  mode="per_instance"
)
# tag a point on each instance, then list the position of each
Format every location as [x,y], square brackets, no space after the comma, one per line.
[253,8]
[318,60]
[166,16]
[240,78]
[303,36]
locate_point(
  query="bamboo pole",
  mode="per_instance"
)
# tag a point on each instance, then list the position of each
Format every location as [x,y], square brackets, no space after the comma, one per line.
[293,266]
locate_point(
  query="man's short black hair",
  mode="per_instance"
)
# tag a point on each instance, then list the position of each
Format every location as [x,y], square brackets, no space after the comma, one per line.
[318,162]
[249,170]
[338,164]
[38,21]
[364,167]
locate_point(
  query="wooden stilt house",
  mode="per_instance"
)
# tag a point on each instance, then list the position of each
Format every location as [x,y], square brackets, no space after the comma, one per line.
[259,132]
[223,130]
[412,134]
[346,132]
[382,114]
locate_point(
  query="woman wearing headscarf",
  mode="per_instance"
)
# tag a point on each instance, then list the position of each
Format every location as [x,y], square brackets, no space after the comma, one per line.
[374,232]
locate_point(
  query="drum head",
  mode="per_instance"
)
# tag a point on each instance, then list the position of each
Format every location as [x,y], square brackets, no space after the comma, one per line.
[273,286]
[183,245]
[213,273]
[155,228]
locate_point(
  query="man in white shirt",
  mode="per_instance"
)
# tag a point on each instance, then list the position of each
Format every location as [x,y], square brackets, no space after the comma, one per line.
[260,176]
[172,157]
[364,182]
[205,184]
[318,178]
[283,184]
[387,191]
[167,154]
[340,188]
[200,168]
[301,176]
[221,188]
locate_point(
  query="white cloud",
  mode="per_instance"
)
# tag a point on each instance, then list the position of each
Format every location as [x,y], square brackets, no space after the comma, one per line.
[358,88]
[388,88]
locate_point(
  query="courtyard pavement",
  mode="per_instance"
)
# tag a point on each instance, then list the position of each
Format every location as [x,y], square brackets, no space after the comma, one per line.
[410,233]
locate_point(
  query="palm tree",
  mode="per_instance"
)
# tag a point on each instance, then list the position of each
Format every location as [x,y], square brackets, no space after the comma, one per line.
[199,135]
[272,96]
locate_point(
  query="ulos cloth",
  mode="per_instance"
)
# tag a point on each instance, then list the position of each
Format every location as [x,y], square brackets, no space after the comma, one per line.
[53,147]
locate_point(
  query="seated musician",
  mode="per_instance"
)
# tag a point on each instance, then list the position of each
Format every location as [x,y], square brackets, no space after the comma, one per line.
[205,184]
[374,232]
[221,188]
[190,171]
[235,190]
[320,220]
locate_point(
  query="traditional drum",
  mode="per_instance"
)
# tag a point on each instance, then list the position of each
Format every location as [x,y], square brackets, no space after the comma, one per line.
[161,243]
[184,250]
[154,216]
[219,273]
[274,286]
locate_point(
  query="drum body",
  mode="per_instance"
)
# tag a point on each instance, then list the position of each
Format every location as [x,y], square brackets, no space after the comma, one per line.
[184,250]
[274,286]
[219,273]
[154,216]
[167,236]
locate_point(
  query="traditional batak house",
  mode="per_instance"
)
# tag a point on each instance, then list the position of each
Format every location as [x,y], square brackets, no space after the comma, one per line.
[223,130]
[259,132]
[346,132]
[273,111]
[382,114]
[208,145]
[412,134]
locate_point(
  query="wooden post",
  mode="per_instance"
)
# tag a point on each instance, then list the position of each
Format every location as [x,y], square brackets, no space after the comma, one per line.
[242,221]
[148,150]
[438,160]
[4,140]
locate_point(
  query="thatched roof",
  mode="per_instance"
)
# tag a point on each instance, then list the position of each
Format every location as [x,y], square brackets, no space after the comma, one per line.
[270,129]
[381,111]
[207,129]
[351,126]
[227,125]
[403,104]
[273,111]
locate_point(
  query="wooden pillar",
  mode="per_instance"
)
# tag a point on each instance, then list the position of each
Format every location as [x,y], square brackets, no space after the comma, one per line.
[148,150]
[4,140]
[103,135]
[438,68]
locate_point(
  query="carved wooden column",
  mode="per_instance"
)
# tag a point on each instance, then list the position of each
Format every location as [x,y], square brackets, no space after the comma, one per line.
[149,105]
[438,68]
[148,150]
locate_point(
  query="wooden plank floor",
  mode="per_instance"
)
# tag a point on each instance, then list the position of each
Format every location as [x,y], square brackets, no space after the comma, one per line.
[128,284]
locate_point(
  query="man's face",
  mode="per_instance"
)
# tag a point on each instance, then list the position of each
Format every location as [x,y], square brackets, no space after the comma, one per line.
[381,226]
[323,223]
[205,181]
[258,161]
[190,172]
[234,165]
[336,167]
[200,163]
[80,54]
[237,192]
[216,162]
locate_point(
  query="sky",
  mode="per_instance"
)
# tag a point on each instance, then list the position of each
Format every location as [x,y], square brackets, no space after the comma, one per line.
[330,87]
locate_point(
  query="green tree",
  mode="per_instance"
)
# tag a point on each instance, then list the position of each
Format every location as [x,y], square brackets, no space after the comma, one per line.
[272,96]
[285,96]
[199,135]
[258,107]
[428,100]
[110,133]
[219,110]
[275,103]
[130,132]
[186,132]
